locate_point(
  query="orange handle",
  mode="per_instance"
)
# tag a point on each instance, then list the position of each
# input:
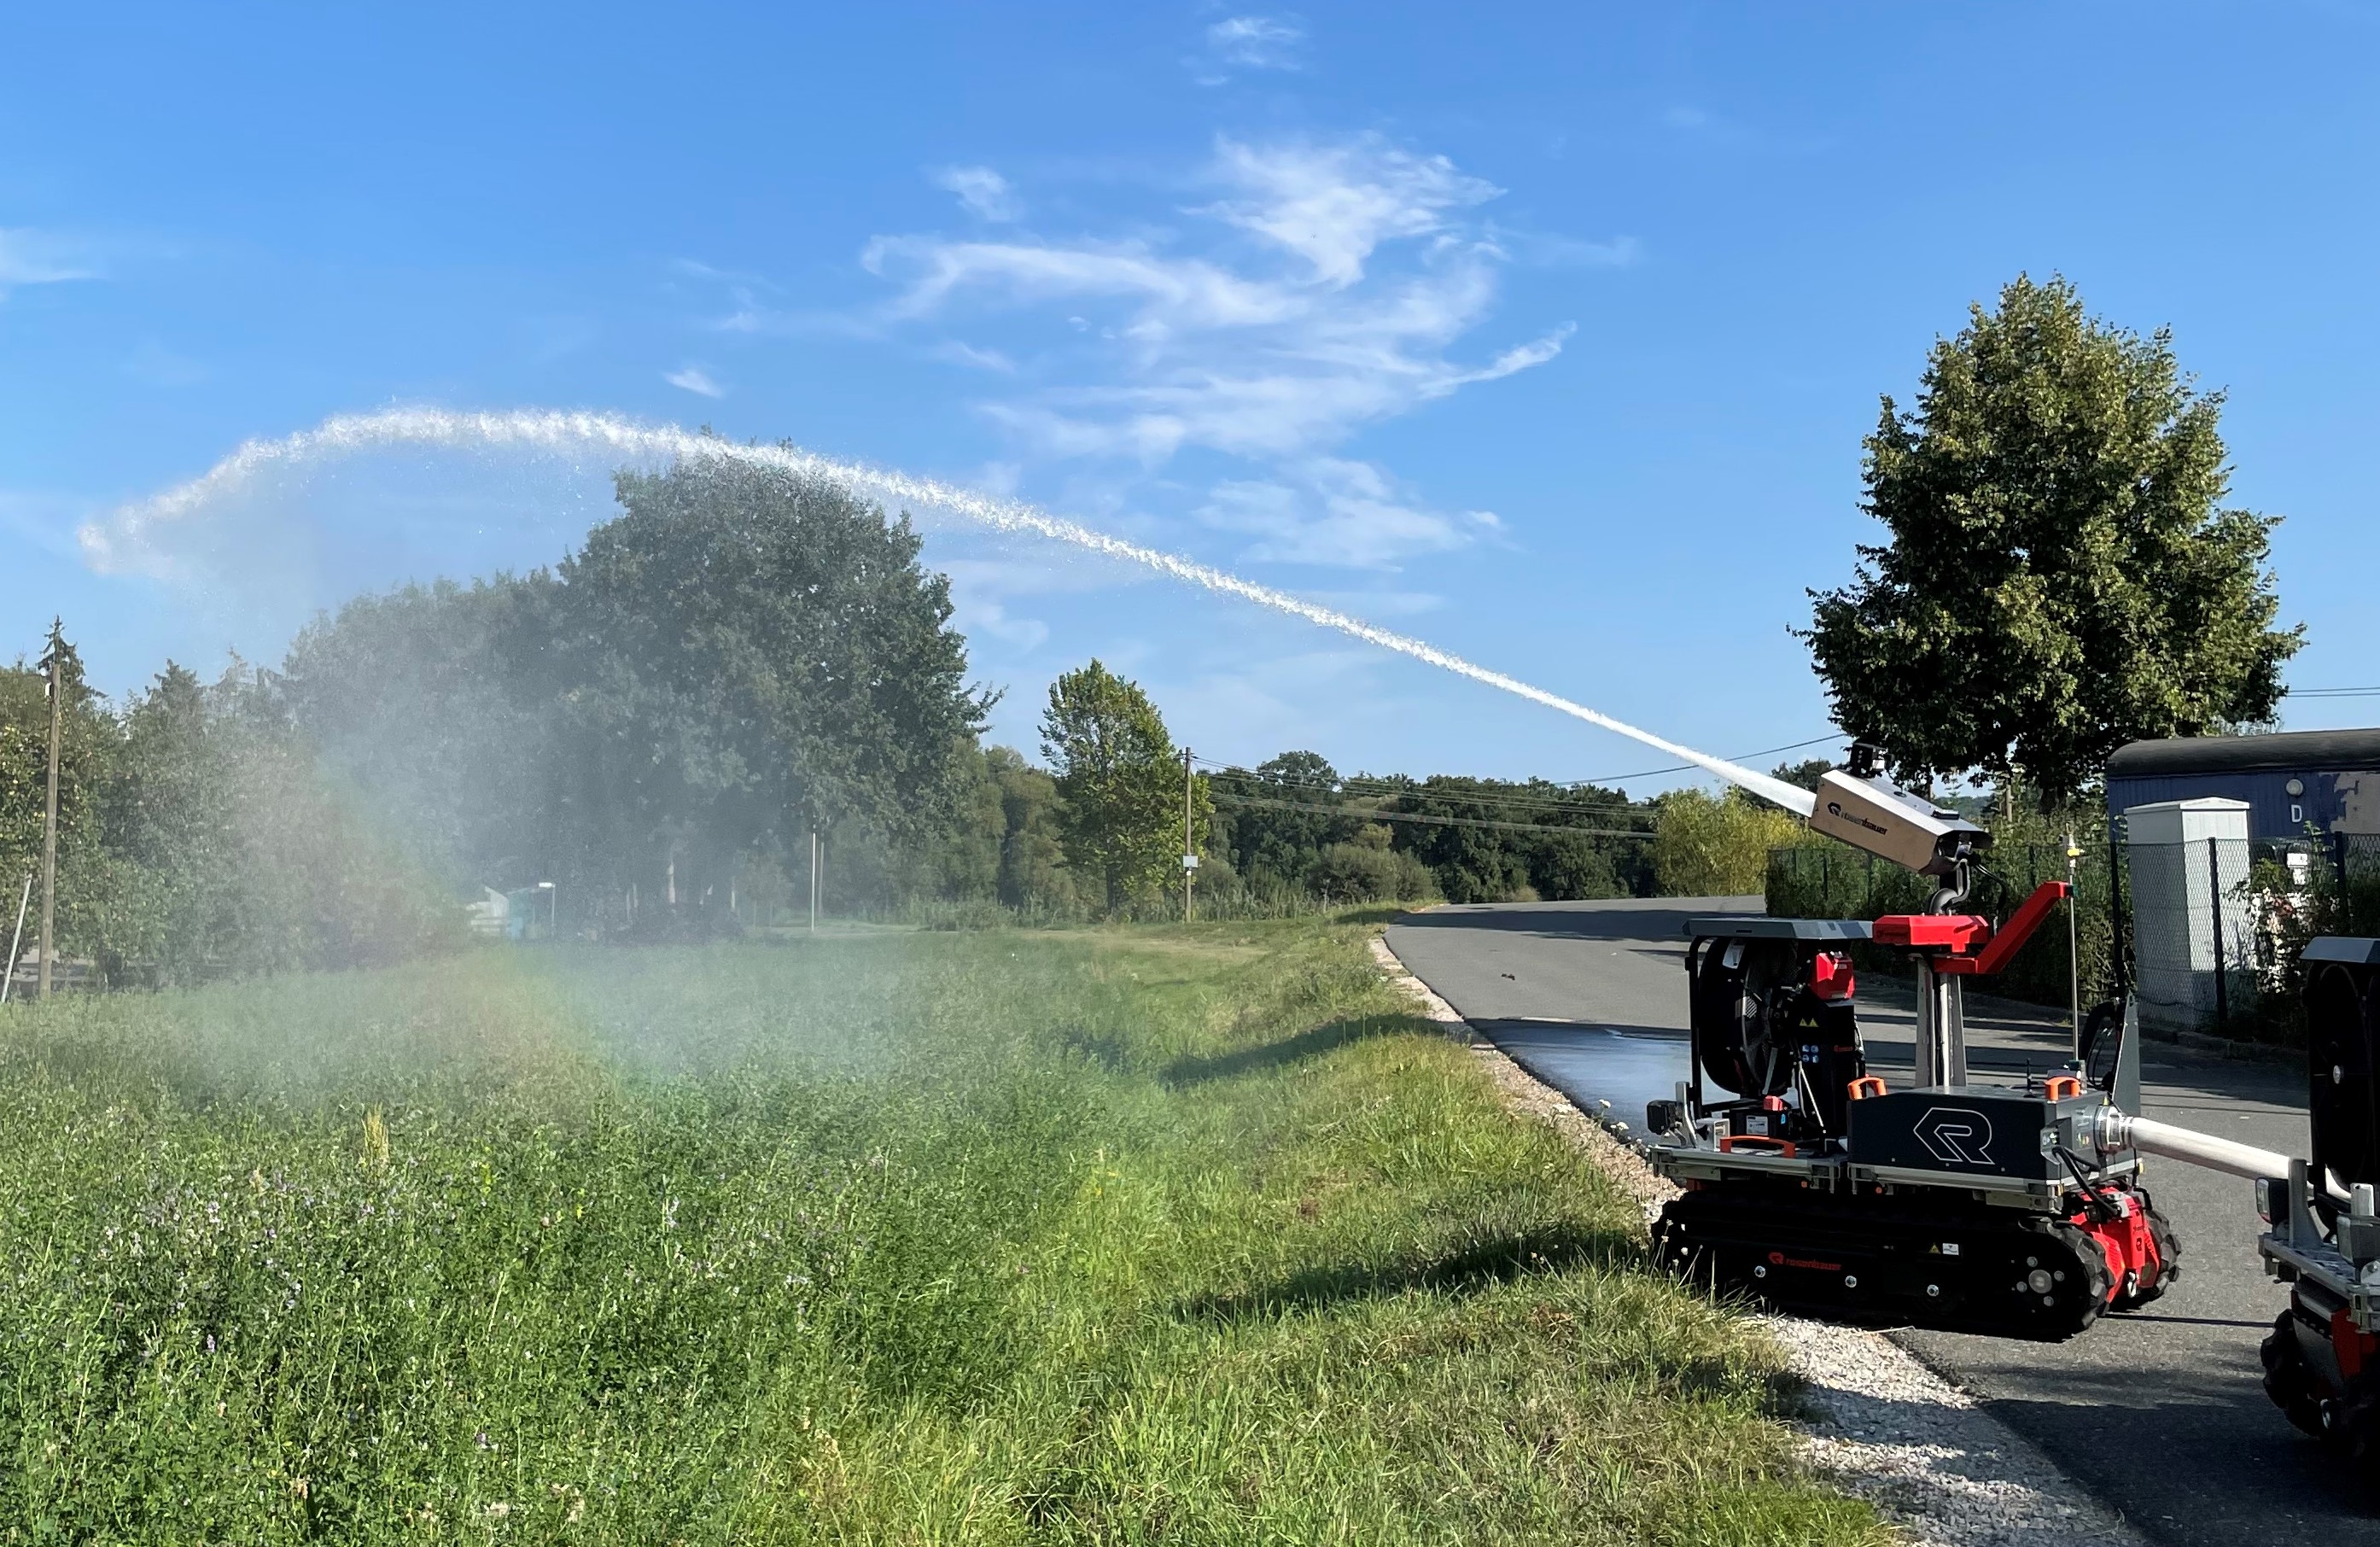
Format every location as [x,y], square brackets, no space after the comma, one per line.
[2056,1088]
[1732,1141]
[1864,1087]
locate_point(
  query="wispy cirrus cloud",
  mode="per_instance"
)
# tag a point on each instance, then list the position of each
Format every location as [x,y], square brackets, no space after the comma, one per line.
[694,379]
[1307,289]
[984,192]
[1331,510]
[32,257]
[1255,42]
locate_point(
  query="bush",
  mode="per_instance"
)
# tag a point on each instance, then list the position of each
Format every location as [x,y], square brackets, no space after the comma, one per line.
[1368,870]
[1716,846]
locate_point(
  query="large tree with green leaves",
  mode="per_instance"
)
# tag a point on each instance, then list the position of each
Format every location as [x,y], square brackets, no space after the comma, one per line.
[1118,780]
[750,652]
[2061,575]
[743,655]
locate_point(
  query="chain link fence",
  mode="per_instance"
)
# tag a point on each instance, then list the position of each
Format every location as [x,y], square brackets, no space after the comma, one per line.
[2209,936]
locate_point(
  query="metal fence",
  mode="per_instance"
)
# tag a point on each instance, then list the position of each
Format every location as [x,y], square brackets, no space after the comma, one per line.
[2208,934]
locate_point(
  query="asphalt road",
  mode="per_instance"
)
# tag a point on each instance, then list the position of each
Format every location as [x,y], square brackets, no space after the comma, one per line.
[2158,1411]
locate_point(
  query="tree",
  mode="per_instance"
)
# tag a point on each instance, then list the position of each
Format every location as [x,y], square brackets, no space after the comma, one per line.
[741,656]
[1271,840]
[1118,780]
[1033,871]
[427,697]
[746,651]
[1542,839]
[89,879]
[2062,576]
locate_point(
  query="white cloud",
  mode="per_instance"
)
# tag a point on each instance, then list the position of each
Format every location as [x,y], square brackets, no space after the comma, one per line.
[1256,42]
[1314,289]
[1539,249]
[1330,510]
[29,257]
[695,379]
[984,191]
[1171,291]
[984,591]
[959,352]
[1334,204]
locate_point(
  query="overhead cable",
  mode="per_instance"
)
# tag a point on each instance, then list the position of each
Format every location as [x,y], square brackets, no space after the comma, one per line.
[1541,828]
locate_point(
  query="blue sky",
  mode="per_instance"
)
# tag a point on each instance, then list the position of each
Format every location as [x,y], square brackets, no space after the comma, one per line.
[1547,334]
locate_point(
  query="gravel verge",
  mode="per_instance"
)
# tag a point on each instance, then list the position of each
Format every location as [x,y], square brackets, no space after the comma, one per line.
[1879,1422]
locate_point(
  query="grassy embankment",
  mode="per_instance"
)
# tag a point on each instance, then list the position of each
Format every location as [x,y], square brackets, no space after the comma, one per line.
[1138,1235]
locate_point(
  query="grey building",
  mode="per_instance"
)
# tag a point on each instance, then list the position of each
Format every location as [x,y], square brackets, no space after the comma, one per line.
[2328,780]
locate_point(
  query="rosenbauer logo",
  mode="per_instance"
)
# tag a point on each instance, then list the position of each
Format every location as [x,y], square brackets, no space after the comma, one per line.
[1779,1260]
[1835,810]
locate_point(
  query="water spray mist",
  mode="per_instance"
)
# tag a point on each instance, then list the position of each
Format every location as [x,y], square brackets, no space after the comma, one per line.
[120,542]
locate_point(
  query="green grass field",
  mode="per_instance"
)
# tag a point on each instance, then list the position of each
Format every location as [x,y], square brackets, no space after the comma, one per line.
[1143,1236]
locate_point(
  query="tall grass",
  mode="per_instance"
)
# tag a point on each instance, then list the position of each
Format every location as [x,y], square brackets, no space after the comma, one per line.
[1102,1237]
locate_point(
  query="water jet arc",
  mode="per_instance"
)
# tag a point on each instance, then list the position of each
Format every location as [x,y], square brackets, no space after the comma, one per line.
[119,543]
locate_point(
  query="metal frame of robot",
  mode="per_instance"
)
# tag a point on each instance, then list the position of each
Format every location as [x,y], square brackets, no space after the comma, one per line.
[1941,1070]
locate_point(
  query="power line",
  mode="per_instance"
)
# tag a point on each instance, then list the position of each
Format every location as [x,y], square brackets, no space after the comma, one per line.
[1741,756]
[2333,692]
[1537,827]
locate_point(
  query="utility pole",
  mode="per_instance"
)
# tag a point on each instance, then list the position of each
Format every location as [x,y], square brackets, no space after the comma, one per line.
[1189,850]
[56,663]
[814,880]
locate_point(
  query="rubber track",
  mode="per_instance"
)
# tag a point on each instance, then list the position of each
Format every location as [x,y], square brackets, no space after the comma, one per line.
[1941,1262]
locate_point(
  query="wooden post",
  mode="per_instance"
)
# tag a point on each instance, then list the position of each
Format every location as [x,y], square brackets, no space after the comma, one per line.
[56,663]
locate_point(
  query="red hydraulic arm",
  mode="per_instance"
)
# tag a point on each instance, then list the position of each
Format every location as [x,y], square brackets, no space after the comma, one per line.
[1955,934]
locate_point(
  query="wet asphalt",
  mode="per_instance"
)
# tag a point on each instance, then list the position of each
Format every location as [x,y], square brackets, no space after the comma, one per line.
[2158,1411]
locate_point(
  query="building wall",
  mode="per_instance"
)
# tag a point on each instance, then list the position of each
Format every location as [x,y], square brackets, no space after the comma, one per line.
[2333,802]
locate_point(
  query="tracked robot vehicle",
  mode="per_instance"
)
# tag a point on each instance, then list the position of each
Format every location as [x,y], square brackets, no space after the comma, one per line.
[2014,1209]
[2322,1360]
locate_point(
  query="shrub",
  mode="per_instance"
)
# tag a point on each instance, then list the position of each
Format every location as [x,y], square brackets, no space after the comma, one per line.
[1716,846]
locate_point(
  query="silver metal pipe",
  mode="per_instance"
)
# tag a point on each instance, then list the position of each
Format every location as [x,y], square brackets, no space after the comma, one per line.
[2122,1130]
[1941,1028]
